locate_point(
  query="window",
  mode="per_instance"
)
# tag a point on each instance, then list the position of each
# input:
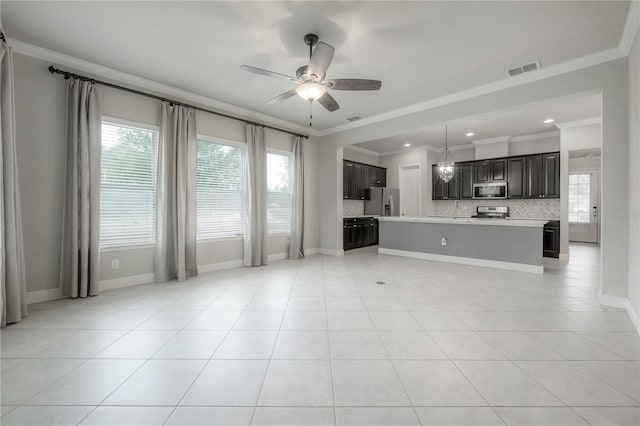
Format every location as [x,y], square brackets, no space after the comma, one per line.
[221,187]
[579,197]
[128,185]
[279,192]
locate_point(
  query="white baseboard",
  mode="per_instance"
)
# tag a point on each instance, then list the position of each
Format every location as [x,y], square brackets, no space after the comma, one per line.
[311,251]
[129,281]
[219,266]
[622,303]
[278,256]
[43,295]
[464,260]
[330,252]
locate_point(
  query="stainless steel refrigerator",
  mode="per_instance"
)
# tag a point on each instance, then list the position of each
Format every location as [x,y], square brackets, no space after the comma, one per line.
[383,202]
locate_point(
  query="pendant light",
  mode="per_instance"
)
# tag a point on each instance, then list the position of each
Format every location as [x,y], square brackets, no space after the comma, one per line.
[446,167]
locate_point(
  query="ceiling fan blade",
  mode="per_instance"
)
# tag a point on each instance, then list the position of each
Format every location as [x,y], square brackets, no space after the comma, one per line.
[328,102]
[282,97]
[320,60]
[354,84]
[268,73]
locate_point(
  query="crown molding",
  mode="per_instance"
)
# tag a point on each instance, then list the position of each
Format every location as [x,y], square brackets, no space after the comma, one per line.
[102,71]
[535,136]
[579,123]
[488,141]
[362,150]
[631,27]
[496,86]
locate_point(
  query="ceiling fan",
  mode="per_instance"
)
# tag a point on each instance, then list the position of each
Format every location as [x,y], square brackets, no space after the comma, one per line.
[310,79]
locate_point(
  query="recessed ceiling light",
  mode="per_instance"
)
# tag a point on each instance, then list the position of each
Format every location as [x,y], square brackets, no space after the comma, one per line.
[470,134]
[548,121]
[407,144]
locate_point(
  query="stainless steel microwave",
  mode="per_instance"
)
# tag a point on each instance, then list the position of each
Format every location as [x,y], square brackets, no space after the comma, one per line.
[494,190]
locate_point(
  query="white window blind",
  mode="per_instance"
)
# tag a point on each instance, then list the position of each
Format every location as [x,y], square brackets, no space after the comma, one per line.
[279,192]
[128,185]
[579,197]
[221,187]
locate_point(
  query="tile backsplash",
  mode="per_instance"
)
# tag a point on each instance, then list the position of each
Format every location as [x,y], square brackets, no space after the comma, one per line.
[352,208]
[522,209]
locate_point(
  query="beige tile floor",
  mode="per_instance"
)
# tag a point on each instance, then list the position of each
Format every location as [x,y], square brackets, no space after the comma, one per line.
[318,342]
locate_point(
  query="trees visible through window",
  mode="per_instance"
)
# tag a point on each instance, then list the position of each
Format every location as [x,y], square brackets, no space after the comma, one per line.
[221,186]
[128,185]
[579,197]
[279,192]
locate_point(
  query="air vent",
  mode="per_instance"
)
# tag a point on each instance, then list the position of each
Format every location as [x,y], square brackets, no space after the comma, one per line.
[523,68]
[354,118]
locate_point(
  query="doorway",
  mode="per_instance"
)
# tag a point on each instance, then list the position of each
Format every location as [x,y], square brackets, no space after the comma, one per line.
[409,183]
[584,198]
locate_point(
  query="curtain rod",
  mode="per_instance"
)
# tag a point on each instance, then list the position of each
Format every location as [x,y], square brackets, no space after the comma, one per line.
[67,75]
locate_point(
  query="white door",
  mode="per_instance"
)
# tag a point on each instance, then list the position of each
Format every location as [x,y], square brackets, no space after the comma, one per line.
[584,188]
[409,179]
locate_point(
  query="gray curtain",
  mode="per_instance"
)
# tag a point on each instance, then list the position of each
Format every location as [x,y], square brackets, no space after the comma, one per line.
[175,255]
[255,224]
[81,219]
[12,271]
[296,250]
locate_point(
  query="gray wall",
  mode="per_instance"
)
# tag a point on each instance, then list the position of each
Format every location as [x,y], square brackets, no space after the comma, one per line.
[611,78]
[41,140]
[511,244]
[634,175]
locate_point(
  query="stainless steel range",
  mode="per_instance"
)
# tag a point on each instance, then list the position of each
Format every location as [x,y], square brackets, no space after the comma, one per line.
[492,212]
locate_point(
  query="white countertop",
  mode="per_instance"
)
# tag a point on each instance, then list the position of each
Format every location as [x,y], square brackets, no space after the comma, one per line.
[360,215]
[539,223]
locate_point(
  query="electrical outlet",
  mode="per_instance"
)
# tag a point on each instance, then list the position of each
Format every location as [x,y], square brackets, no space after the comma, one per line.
[443,242]
[115,264]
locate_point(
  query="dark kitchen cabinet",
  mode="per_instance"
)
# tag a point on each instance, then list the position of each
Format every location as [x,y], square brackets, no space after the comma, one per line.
[376,176]
[516,177]
[465,177]
[445,191]
[551,175]
[358,177]
[499,170]
[359,232]
[532,176]
[543,176]
[482,171]
[551,239]
[359,192]
[486,171]
[348,181]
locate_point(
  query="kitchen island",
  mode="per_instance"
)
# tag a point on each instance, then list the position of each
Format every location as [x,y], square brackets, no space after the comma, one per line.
[499,243]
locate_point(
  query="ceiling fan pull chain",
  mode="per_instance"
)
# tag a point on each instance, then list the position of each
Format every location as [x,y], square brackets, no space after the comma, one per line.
[310,116]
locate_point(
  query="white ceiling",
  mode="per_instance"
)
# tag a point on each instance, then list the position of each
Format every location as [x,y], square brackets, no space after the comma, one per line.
[524,120]
[420,50]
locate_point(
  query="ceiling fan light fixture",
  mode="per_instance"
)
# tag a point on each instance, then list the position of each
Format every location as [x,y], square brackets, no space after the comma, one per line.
[310,91]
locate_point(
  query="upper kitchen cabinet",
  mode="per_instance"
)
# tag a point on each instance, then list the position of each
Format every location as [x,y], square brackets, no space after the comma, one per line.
[465,176]
[358,177]
[490,171]
[516,177]
[445,191]
[348,181]
[543,175]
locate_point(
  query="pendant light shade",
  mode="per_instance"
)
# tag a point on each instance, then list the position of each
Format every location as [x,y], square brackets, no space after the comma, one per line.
[446,167]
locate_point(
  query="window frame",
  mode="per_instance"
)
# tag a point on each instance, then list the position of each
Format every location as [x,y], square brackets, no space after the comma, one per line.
[579,173]
[229,142]
[117,121]
[288,154]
